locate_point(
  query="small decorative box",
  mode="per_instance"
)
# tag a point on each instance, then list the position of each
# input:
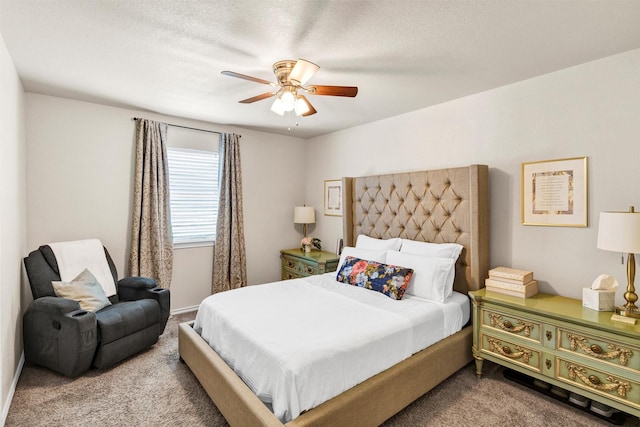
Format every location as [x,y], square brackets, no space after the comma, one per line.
[599,299]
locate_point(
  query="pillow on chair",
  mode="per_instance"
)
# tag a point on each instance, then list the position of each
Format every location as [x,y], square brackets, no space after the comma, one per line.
[85,289]
[74,256]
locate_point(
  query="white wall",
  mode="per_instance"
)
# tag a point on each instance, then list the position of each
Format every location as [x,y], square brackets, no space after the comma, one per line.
[589,110]
[79,174]
[12,225]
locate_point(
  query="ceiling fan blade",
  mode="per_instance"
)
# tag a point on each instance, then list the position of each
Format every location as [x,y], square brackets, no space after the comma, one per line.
[242,76]
[302,71]
[311,109]
[350,91]
[257,98]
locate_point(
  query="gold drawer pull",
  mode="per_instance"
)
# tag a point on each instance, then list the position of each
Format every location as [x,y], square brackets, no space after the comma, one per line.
[594,350]
[548,363]
[291,264]
[496,320]
[549,335]
[520,353]
[594,382]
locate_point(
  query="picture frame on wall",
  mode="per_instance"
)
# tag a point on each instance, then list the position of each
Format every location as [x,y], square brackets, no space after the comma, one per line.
[333,197]
[554,192]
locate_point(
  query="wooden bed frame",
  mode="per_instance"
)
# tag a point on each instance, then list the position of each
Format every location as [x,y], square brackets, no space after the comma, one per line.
[446,205]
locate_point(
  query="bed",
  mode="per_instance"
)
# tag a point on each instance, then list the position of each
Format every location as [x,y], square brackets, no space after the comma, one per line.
[440,206]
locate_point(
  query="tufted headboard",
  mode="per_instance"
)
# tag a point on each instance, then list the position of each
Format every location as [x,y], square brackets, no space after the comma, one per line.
[439,206]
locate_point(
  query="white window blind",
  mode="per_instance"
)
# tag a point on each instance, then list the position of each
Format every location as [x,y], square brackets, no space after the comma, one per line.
[193,187]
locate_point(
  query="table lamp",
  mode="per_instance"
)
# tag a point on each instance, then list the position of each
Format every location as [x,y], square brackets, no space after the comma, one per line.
[304,215]
[620,232]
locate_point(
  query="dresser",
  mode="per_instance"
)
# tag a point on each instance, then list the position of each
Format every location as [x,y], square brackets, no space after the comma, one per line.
[556,340]
[297,263]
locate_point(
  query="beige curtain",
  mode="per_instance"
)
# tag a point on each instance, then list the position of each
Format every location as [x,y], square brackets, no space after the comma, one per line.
[151,241]
[229,265]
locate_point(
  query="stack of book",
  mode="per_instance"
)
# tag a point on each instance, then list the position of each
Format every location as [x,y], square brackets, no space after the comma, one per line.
[511,281]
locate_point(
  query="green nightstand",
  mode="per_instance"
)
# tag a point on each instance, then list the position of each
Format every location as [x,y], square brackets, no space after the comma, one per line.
[297,263]
[558,341]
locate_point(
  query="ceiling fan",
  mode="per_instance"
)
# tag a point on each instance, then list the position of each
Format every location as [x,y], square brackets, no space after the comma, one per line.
[291,76]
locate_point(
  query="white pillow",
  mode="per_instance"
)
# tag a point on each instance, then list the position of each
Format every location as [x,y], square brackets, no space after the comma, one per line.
[365,254]
[432,276]
[85,289]
[446,250]
[366,242]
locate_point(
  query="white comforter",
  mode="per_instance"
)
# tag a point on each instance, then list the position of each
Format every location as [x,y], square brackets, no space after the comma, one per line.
[298,343]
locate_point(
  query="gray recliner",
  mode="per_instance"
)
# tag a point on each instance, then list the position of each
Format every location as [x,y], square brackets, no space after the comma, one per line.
[62,337]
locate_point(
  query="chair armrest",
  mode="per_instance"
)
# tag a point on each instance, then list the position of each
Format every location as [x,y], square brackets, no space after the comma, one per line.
[136,288]
[59,335]
[135,283]
[54,305]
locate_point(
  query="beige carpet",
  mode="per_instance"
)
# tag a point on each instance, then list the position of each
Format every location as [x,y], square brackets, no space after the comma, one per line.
[155,389]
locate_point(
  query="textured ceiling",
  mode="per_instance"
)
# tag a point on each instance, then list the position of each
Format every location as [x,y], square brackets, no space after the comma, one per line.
[166,55]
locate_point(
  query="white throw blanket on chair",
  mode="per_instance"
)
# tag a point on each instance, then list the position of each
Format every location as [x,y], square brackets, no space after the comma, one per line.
[73,257]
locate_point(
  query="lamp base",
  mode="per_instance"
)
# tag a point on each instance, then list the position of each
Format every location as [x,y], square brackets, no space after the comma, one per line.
[623,319]
[628,311]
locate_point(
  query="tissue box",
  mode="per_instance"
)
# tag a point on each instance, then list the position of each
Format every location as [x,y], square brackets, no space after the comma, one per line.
[597,299]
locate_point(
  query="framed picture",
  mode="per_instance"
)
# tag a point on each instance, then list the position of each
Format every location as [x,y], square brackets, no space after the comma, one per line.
[554,192]
[333,197]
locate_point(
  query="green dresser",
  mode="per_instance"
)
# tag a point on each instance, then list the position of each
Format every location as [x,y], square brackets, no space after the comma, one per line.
[297,263]
[556,340]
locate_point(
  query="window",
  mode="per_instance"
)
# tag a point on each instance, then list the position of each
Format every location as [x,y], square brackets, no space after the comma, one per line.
[193,187]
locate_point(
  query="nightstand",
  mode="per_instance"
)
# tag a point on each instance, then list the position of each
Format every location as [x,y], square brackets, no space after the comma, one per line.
[298,263]
[556,340]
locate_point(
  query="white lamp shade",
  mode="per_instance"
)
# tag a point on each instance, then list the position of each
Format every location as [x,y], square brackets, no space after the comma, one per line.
[278,107]
[304,215]
[301,107]
[288,101]
[619,232]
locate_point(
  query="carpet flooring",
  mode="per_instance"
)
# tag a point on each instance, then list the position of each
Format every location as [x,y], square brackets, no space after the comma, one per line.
[154,388]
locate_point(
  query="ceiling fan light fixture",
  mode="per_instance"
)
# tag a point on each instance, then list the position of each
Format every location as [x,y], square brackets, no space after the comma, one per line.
[291,76]
[301,107]
[288,100]
[278,107]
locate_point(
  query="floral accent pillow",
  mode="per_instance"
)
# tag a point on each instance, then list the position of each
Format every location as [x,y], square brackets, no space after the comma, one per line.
[390,280]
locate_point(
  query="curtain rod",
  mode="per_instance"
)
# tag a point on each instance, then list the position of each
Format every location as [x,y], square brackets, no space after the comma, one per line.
[184,127]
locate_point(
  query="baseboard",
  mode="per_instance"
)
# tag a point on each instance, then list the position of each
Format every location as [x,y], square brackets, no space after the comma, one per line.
[184,310]
[12,390]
